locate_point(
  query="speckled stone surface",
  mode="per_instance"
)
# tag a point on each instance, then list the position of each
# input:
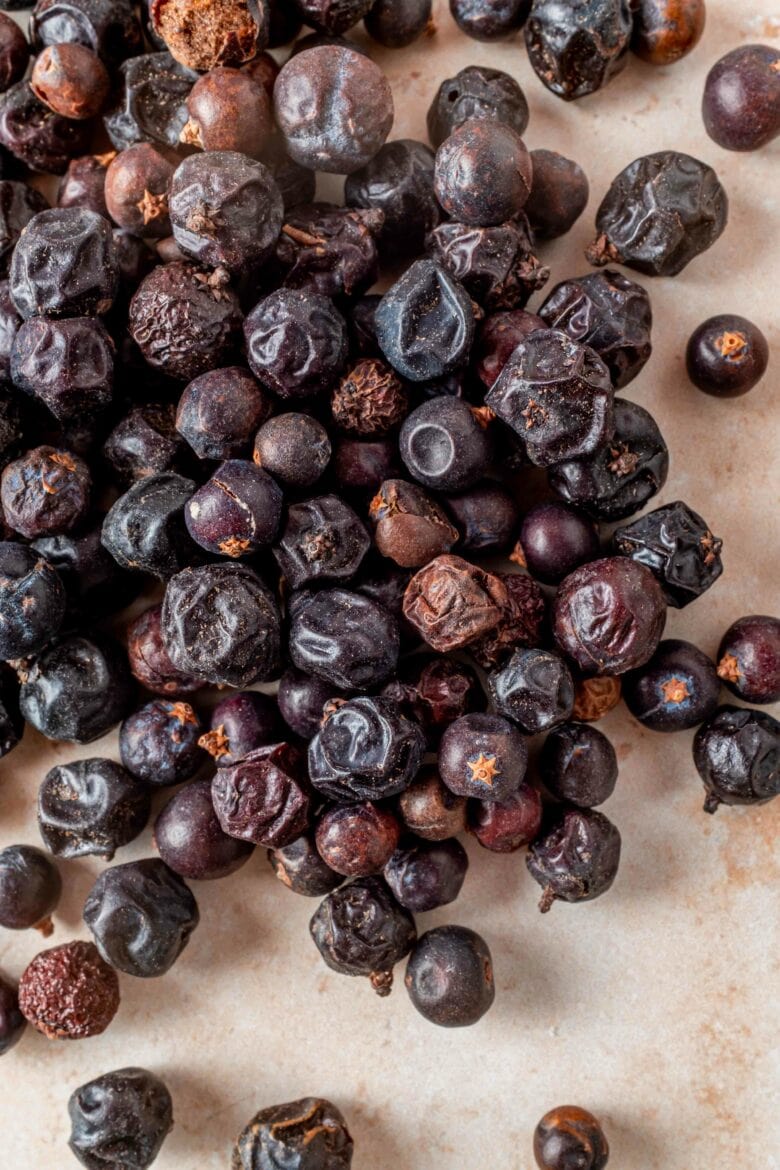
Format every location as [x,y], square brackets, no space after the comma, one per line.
[658,1006]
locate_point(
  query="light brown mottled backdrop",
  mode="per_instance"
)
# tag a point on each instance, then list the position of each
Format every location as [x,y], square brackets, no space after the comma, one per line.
[657,1006]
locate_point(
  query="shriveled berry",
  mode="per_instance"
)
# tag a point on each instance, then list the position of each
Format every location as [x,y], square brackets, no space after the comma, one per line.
[370,399]
[159,743]
[144,529]
[149,660]
[144,442]
[425,323]
[576,859]
[91,806]
[578,765]
[120,1120]
[522,621]
[296,343]
[675,543]
[736,754]
[322,540]
[32,597]
[35,135]
[410,527]
[310,1134]
[476,92]
[534,689]
[595,697]
[567,1138]
[69,992]
[496,265]
[149,101]
[366,749]
[345,638]
[71,80]
[452,603]
[577,47]
[65,265]
[220,410]
[67,365]
[360,929]
[45,492]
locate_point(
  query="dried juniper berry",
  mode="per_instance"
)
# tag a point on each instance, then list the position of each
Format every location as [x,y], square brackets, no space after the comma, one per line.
[190,840]
[678,688]
[741,104]
[595,697]
[310,1134]
[32,599]
[18,205]
[145,442]
[360,929]
[623,474]
[296,343]
[435,691]
[184,320]
[158,743]
[430,810]
[425,323]
[295,448]
[69,992]
[427,874]
[120,1120]
[608,312]
[398,23]
[222,624]
[78,689]
[83,184]
[496,265]
[71,80]
[370,399]
[149,660]
[302,698]
[483,173]
[240,724]
[609,615]
[554,540]
[322,540]
[666,30]
[449,976]
[145,531]
[486,515]
[334,108]
[229,110]
[343,637]
[263,797]
[578,765]
[366,749]
[217,32]
[14,53]
[329,250]
[660,213]
[559,194]
[489,22]
[482,756]
[300,867]
[109,28]
[219,412]
[12,1022]
[225,209]
[569,1137]
[736,755]
[576,858]
[398,181]
[445,444]
[534,689]
[504,826]
[236,512]
[557,396]
[35,135]
[727,356]
[30,889]
[137,185]
[149,101]
[356,840]
[65,265]
[677,546]
[576,48]
[141,916]
[499,335]
[91,806]
[45,491]
[450,603]
[68,365]
[749,658]
[410,527]
[476,92]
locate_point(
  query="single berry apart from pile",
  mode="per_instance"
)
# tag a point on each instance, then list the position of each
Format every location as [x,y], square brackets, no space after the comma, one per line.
[749,659]
[575,48]
[91,806]
[736,755]
[449,977]
[310,1134]
[741,104]
[727,356]
[69,992]
[120,1120]
[569,1137]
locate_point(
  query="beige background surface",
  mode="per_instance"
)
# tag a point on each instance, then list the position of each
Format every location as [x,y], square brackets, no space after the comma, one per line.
[657,1006]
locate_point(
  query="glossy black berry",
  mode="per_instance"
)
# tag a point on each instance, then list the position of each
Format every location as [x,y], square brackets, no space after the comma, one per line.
[569,1138]
[219,412]
[449,976]
[677,546]
[310,1134]
[189,837]
[300,867]
[578,765]
[78,689]
[482,756]
[294,448]
[444,444]
[360,929]
[749,658]
[141,916]
[120,1120]
[496,265]
[678,688]
[660,213]
[398,181]
[35,135]
[554,540]
[575,48]
[476,92]
[32,597]
[149,102]
[365,750]
[737,756]
[559,194]
[67,365]
[240,724]
[329,250]
[65,265]
[483,173]
[557,396]
[30,888]
[577,857]
[296,343]
[624,473]
[534,689]
[91,806]
[344,638]
[741,104]
[425,323]
[323,539]
[428,874]
[727,356]
[222,624]
[158,743]
[46,491]
[145,530]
